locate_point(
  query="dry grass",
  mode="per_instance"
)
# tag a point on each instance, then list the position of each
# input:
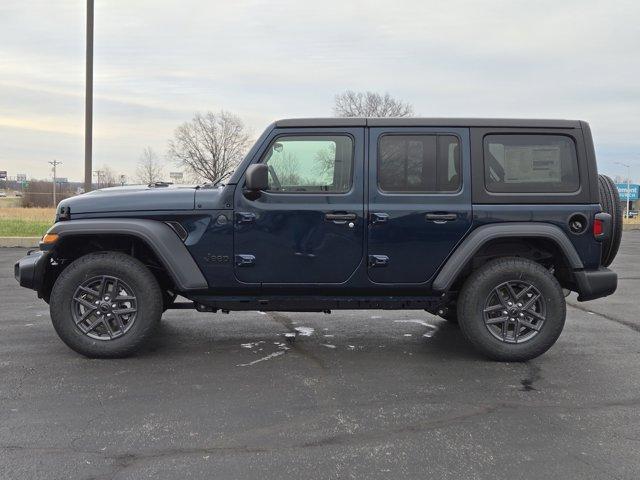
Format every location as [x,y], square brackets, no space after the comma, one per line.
[32,214]
[25,222]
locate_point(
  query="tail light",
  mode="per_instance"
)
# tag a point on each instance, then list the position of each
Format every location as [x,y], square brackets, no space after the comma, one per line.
[601,226]
[598,227]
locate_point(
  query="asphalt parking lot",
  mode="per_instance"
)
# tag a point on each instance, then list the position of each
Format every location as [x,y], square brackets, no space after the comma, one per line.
[358,394]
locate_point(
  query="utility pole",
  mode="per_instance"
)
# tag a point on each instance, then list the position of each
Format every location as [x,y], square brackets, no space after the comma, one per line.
[88,99]
[55,163]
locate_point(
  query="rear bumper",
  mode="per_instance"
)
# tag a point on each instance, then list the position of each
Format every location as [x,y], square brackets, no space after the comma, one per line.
[29,271]
[594,284]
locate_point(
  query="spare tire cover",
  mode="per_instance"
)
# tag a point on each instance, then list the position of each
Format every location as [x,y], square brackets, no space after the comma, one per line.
[610,203]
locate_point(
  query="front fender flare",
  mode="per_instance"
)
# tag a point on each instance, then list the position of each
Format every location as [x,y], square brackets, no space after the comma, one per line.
[157,235]
[481,235]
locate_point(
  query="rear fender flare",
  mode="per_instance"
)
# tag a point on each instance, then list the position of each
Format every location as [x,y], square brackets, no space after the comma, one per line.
[486,233]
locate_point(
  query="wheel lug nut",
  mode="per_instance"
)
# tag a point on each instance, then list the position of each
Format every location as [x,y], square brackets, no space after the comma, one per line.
[519,305]
[97,302]
[113,305]
[510,303]
[504,312]
[521,314]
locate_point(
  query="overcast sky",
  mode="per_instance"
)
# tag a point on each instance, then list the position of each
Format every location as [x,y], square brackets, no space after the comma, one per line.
[157,62]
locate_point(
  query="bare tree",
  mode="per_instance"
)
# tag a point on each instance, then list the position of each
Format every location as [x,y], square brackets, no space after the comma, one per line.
[106,177]
[210,145]
[149,169]
[370,104]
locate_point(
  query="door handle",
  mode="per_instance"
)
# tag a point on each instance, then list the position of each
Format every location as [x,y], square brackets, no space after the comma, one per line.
[340,218]
[440,217]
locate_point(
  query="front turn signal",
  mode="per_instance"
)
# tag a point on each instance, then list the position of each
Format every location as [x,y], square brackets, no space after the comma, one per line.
[49,238]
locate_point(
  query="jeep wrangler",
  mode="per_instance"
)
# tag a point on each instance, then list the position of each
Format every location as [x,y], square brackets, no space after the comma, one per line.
[487,223]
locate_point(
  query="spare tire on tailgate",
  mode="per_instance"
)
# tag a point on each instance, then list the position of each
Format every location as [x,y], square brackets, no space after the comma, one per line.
[610,202]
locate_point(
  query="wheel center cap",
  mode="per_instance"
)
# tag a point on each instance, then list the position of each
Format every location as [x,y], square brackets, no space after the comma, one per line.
[105,307]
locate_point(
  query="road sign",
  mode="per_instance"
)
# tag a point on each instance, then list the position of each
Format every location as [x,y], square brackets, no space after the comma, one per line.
[21,177]
[631,193]
[62,180]
[177,176]
[3,174]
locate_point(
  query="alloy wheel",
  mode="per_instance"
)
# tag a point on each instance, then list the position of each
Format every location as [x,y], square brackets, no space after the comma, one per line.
[104,307]
[514,312]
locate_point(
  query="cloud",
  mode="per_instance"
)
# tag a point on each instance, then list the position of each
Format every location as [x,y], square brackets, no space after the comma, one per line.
[158,62]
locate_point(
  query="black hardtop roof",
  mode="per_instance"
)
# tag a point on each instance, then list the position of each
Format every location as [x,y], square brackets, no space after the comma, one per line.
[428,122]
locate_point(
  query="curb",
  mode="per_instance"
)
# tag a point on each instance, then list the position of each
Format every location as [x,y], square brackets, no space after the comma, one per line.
[24,242]
[630,226]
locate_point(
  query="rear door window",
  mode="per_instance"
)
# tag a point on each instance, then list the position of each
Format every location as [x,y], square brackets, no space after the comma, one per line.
[419,164]
[530,164]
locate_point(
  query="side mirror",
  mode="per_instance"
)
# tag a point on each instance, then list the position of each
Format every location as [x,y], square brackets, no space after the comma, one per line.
[257,177]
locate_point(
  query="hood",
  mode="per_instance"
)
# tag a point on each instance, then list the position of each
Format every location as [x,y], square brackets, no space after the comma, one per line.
[132,198]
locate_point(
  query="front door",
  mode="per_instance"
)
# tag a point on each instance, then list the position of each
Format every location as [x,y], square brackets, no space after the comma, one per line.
[419,201]
[308,227]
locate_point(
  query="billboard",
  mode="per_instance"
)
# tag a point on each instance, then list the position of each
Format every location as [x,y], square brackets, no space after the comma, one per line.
[3,174]
[631,193]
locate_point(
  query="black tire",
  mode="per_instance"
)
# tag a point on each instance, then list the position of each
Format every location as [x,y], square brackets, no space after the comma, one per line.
[479,287]
[134,275]
[610,203]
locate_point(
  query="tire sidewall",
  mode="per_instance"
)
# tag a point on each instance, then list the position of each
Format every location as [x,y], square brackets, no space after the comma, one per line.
[134,274]
[479,287]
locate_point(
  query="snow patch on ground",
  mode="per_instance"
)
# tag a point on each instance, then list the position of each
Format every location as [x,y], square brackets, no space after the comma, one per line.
[263,359]
[431,329]
[304,331]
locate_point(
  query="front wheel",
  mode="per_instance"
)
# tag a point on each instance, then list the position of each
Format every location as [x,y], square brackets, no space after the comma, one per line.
[511,309]
[105,305]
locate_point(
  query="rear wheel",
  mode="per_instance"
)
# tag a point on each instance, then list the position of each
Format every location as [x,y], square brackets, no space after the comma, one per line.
[610,203]
[511,309]
[105,305]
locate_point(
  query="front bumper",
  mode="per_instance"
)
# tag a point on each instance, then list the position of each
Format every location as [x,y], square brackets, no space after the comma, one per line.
[29,271]
[594,284]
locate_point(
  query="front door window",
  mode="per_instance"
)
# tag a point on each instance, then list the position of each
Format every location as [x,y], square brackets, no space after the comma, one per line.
[310,164]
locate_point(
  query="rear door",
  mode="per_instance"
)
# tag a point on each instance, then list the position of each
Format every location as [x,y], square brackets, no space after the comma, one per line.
[419,200]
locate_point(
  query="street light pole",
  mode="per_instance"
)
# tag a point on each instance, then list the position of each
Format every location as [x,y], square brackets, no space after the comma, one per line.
[55,163]
[88,99]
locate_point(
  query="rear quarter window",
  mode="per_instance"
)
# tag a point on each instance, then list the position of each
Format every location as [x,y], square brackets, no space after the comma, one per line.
[530,163]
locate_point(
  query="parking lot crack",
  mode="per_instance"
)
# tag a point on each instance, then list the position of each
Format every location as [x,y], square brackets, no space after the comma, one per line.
[621,321]
[285,321]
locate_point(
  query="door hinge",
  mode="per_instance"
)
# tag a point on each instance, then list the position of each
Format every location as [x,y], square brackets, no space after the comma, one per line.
[245,217]
[379,217]
[244,260]
[378,260]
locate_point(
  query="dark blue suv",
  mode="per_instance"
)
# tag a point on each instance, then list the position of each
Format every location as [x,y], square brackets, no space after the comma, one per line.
[484,222]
